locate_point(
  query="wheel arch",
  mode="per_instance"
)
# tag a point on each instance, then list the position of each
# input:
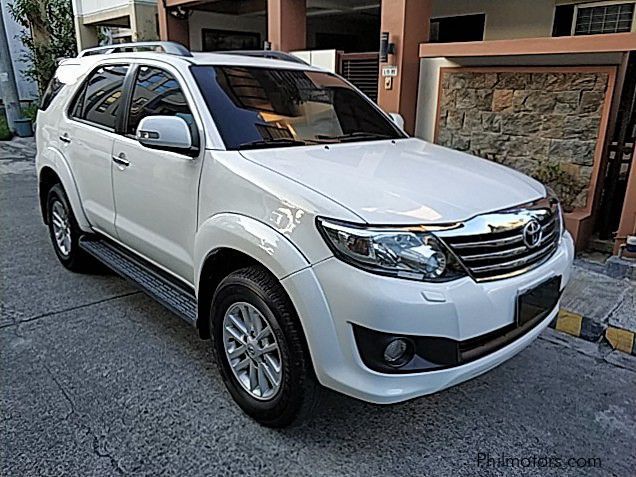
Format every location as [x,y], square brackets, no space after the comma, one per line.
[54,169]
[48,178]
[219,263]
[238,241]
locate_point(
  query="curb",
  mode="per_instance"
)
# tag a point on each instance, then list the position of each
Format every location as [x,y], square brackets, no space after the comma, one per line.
[620,339]
[590,330]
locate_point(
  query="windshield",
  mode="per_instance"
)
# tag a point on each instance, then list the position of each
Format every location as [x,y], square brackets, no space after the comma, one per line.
[264,107]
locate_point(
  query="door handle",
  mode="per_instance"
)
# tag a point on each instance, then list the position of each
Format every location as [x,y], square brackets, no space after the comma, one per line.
[121,160]
[65,138]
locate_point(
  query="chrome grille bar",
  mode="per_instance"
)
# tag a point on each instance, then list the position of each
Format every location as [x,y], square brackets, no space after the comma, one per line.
[501,254]
[508,253]
[511,264]
[492,246]
[496,243]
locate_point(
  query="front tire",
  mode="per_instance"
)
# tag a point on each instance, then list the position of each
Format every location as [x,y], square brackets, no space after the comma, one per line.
[260,349]
[65,232]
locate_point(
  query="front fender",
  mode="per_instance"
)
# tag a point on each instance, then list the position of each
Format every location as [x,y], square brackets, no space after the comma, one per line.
[251,237]
[56,161]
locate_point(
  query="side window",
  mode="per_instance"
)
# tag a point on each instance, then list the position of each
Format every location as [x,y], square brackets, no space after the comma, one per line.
[54,87]
[157,92]
[100,98]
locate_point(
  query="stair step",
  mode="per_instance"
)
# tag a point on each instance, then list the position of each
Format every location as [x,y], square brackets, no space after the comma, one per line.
[168,291]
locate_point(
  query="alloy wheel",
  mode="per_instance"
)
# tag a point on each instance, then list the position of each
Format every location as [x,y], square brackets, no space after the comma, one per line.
[252,350]
[61,227]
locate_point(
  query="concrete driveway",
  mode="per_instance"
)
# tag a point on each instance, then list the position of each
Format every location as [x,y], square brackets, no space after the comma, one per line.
[97,379]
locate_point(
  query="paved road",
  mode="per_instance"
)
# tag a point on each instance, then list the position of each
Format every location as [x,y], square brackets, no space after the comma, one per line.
[97,379]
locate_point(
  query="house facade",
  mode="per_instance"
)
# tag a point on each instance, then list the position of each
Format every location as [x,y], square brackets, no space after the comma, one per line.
[545,86]
[27,88]
[114,21]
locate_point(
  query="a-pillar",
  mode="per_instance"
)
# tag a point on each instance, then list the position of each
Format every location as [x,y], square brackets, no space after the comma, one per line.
[407,22]
[287,24]
[170,27]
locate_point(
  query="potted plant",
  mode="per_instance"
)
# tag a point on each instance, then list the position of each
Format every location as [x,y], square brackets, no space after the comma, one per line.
[5,133]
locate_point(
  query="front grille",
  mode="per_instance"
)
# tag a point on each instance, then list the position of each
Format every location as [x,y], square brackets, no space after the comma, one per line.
[492,246]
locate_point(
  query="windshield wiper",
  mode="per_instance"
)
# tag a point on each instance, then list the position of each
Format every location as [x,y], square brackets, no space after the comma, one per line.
[354,136]
[275,142]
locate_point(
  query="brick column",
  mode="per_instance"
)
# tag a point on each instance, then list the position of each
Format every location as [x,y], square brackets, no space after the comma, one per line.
[171,28]
[407,22]
[287,24]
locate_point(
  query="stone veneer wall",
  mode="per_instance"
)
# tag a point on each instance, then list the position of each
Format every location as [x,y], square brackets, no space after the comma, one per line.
[522,118]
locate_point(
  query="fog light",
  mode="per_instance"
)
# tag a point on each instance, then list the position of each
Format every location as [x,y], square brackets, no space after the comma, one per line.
[398,352]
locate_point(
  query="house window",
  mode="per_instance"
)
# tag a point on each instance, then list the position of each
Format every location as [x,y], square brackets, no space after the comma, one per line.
[563,17]
[613,18]
[224,40]
[458,28]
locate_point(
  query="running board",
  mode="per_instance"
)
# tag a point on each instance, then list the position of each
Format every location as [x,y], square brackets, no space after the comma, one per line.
[155,282]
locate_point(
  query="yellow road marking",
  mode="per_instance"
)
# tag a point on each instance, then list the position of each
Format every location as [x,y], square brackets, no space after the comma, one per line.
[621,340]
[569,322]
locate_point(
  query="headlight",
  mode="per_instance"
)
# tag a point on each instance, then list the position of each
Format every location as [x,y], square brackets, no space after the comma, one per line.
[558,210]
[394,252]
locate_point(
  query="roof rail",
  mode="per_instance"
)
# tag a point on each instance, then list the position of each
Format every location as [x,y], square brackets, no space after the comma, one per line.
[276,55]
[169,47]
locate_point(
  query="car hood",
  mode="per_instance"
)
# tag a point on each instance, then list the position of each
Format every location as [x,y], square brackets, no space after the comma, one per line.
[408,181]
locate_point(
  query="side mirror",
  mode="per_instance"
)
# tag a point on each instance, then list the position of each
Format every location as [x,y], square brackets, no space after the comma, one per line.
[397,119]
[165,132]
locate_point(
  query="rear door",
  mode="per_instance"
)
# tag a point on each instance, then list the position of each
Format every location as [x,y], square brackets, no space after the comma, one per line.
[87,135]
[156,191]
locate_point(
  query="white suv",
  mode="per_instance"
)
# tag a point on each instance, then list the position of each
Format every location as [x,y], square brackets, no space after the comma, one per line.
[281,212]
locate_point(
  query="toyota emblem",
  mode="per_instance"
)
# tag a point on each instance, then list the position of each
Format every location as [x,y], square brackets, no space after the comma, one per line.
[532,234]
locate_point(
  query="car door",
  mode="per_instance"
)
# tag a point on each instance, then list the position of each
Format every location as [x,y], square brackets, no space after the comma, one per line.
[87,135]
[156,190]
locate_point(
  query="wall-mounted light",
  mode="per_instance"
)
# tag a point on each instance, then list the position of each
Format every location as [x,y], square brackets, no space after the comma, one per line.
[180,13]
[386,48]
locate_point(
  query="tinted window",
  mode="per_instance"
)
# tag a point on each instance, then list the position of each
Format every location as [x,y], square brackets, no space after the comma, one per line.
[224,40]
[458,28]
[563,15]
[262,104]
[100,98]
[54,87]
[157,92]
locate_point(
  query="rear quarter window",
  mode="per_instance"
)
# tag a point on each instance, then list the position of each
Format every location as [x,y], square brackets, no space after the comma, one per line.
[52,90]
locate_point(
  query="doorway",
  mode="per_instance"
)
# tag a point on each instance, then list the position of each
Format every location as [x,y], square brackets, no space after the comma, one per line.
[619,159]
[353,29]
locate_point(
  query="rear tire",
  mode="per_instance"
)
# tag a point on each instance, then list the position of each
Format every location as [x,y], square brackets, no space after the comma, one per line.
[277,388]
[65,232]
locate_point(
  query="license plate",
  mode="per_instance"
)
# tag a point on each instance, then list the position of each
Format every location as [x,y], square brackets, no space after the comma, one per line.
[539,301]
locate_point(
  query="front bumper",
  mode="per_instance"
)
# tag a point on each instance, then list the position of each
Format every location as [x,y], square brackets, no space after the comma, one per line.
[332,296]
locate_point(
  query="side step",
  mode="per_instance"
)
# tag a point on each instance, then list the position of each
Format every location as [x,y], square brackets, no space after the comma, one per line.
[168,291]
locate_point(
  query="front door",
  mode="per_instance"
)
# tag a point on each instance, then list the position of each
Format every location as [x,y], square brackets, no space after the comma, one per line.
[87,139]
[156,191]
